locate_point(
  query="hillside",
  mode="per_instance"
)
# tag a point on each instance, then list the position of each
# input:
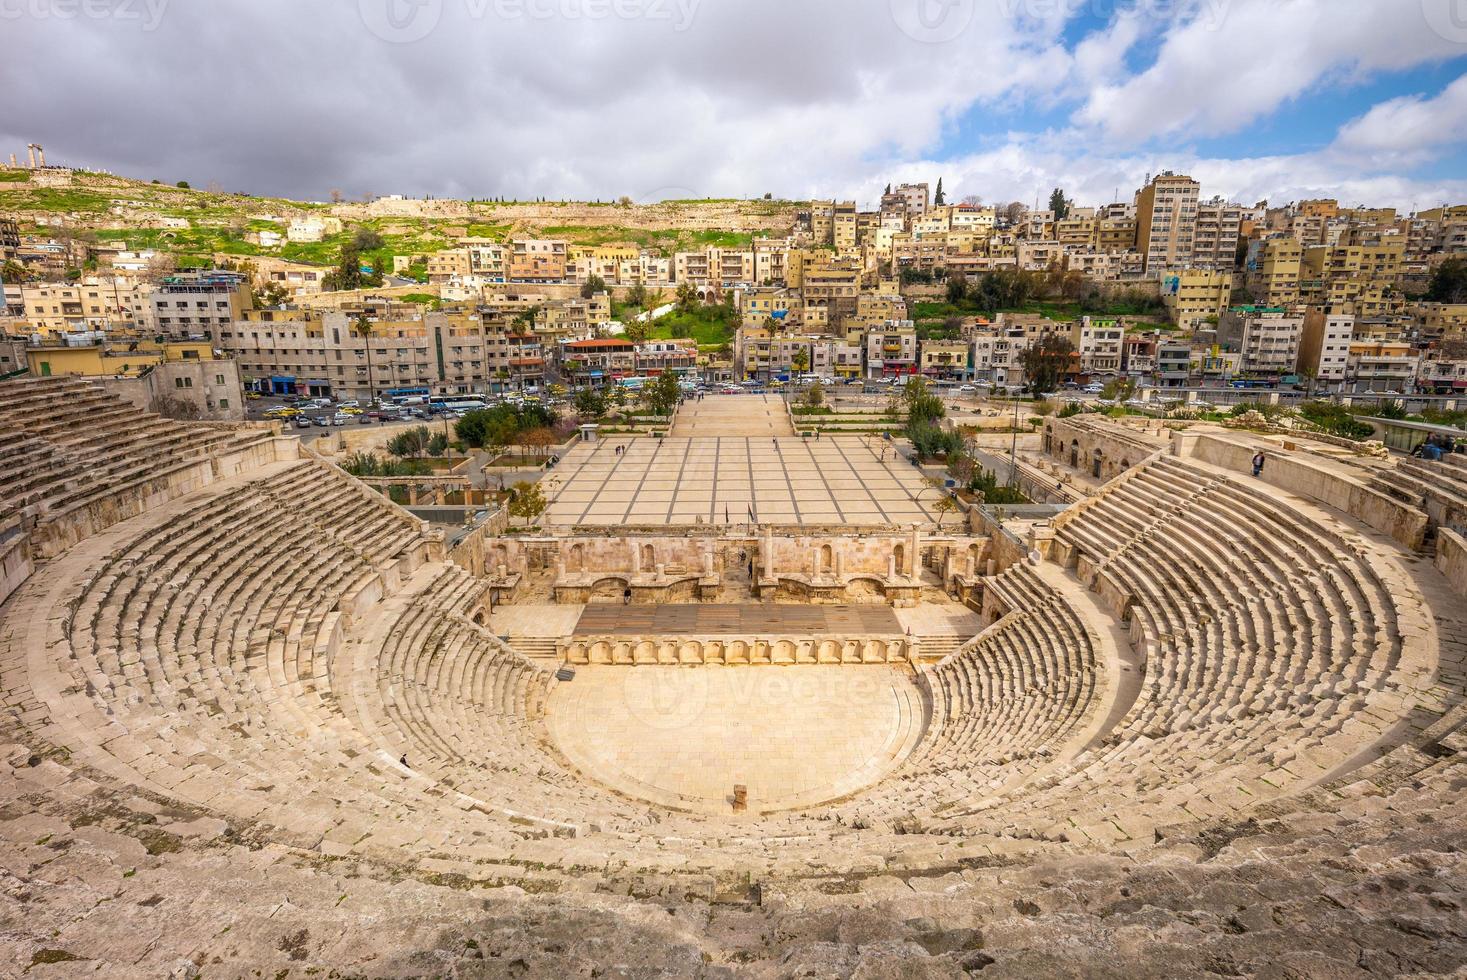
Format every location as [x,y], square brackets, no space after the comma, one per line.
[191,223]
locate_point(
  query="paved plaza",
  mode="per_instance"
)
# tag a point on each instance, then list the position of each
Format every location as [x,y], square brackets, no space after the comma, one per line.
[737,480]
[732,415]
[684,737]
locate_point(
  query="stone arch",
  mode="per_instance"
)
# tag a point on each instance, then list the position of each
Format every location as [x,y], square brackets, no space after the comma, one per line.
[608,589]
[1097,461]
[827,560]
[899,556]
[649,558]
[575,558]
[1074,453]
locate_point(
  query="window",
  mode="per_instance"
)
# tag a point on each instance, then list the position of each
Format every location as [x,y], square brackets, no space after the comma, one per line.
[218,379]
[183,382]
[224,403]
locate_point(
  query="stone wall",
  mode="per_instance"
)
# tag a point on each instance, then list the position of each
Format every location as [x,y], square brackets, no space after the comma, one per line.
[1297,472]
[1102,450]
[1451,558]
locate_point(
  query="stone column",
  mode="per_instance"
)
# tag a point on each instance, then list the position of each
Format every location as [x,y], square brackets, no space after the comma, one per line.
[636,557]
[769,553]
[891,569]
[916,559]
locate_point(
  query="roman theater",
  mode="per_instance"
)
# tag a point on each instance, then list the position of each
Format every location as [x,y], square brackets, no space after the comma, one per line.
[741,702]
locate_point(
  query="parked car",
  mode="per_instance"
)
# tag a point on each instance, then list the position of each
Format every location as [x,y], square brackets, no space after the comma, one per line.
[1093,389]
[350,404]
[322,421]
[302,423]
[340,418]
[967,389]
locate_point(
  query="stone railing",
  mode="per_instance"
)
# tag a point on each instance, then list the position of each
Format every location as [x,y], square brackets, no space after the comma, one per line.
[768,650]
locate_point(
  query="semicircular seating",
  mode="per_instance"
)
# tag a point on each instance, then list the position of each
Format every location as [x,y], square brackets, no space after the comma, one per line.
[275,644]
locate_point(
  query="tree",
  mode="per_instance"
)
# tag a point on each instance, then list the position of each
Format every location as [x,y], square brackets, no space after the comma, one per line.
[637,296]
[363,328]
[182,185]
[1118,390]
[921,406]
[944,506]
[1045,362]
[367,239]
[800,360]
[13,272]
[939,199]
[594,284]
[527,502]
[1449,282]
[815,395]
[663,393]
[637,331]
[687,298]
[590,404]
[538,441]
[437,444]
[1059,204]
[413,442]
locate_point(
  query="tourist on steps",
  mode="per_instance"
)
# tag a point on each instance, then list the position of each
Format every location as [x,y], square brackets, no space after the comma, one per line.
[1258,463]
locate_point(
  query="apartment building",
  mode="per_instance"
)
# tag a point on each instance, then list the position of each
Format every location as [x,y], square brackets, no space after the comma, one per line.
[1267,338]
[1215,239]
[185,379]
[536,260]
[757,306]
[656,357]
[1100,344]
[834,358]
[1380,365]
[946,360]
[1324,344]
[1274,271]
[891,350]
[513,358]
[361,353]
[116,304]
[831,291]
[844,231]
[200,304]
[1166,221]
[597,362]
[1194,297]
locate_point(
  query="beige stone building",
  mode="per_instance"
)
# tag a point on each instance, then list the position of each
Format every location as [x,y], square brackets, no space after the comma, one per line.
[364,353]
[1166,221]
[1194,297]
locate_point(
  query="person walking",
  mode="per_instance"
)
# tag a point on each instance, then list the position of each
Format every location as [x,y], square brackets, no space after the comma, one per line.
[1258,461]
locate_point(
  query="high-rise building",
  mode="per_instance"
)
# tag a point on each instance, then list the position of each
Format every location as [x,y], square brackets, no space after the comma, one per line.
[1166,222]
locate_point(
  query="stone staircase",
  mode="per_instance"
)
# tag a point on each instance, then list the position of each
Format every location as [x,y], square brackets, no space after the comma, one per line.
[536,648]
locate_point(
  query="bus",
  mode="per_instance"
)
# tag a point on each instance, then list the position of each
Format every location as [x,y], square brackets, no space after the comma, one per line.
[634,384]
[456,403]
[406,396]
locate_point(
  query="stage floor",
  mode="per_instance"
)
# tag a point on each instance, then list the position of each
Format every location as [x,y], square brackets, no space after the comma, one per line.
[748,619]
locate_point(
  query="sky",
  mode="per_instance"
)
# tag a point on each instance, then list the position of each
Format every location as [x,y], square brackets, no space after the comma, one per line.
[1278,100]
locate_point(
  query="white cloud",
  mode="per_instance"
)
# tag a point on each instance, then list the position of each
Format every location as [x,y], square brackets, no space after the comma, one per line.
[793,97]
[1410,123]
[1235,61]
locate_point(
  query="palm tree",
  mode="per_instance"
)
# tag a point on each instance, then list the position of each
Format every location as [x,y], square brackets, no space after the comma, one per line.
[363,328]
